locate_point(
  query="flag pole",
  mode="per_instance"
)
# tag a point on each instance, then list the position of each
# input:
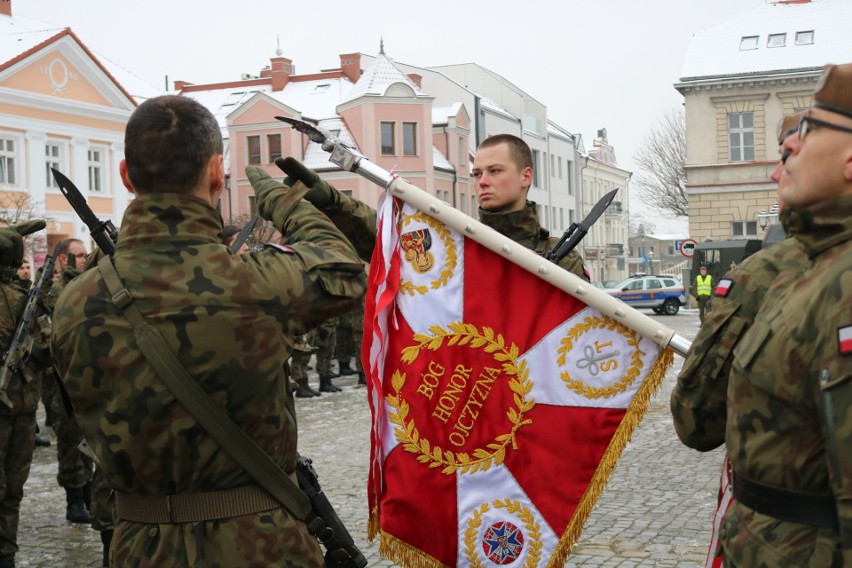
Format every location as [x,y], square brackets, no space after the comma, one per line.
[351,160]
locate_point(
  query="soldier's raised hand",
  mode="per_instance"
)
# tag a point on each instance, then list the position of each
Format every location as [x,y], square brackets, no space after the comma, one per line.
[320,193]
[12,241]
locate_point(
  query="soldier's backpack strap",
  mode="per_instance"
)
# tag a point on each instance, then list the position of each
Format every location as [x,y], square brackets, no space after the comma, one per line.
[242,449]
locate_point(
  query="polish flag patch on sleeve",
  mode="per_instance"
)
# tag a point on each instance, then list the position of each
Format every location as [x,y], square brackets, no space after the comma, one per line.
[723,288]
[844,340]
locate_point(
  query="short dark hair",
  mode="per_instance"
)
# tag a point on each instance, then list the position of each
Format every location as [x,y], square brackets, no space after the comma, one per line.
[519,151]
[167,144]
[63,246]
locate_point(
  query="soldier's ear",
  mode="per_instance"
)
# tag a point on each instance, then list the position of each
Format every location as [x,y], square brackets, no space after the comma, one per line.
[125,179]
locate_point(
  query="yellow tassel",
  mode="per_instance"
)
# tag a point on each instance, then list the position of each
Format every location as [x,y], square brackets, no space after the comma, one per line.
[635,412]
[406,555]
[373,526]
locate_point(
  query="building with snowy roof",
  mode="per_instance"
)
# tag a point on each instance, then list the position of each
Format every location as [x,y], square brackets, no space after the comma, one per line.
[738,80]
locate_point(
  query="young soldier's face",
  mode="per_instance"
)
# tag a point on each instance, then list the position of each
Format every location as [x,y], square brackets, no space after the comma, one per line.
[499,184]
[24,271]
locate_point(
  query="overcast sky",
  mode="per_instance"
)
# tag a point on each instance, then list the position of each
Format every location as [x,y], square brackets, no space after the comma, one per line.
[594,63]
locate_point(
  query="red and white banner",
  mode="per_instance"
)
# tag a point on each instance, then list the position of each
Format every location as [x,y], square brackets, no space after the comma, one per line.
[500,403]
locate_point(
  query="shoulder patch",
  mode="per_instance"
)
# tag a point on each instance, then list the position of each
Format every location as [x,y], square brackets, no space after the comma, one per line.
[844,340]
[279,248]
[723,288]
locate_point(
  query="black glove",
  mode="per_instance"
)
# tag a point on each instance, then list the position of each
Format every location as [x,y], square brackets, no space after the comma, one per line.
[320,193]
[12,242]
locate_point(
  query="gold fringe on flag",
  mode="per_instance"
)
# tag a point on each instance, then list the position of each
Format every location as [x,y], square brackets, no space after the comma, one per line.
[635,412]
[373,525]
[406,555]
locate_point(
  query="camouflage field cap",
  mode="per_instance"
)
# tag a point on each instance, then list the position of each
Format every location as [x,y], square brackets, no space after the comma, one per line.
[788,125]
[834,89]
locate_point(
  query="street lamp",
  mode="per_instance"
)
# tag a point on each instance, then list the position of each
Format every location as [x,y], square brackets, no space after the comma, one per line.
[765,219]
[651,261]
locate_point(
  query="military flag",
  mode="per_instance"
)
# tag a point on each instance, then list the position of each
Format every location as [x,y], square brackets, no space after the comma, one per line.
[500,404]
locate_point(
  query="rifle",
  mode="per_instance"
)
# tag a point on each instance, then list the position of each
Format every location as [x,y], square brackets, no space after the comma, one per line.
[22,342]
[575,233]
[103,233]
[342,551]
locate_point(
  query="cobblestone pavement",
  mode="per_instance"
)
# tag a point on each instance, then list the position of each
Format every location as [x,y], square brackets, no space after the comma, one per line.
[655,511]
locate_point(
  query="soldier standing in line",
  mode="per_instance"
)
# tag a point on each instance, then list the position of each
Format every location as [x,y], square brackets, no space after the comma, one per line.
[75,470]
[699,399]
[787,431]
[324,338]
[230,321]
[357,318]
[18,424]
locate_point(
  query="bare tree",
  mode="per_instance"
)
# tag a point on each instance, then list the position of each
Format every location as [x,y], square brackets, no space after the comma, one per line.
[661,181]
[17,207]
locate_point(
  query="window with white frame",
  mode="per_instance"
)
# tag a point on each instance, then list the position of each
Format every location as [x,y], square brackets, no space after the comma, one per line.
[253,149]
[535,154]
[7,161]
[463,154]
[747,43]
[463,202]
[743,228]
[805,38]
[741,136]
[776,40]
[52,159]
[96,170]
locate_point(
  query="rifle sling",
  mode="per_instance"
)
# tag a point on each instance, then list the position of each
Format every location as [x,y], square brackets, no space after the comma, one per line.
[242,449]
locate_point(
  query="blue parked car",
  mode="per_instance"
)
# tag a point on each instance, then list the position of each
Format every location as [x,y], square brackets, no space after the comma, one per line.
[662,293]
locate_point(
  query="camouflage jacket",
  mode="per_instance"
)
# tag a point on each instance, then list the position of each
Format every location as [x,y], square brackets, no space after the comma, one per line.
[23,395]
[790,392]
[523,228]
[357,221]
[699,400]
[232,321]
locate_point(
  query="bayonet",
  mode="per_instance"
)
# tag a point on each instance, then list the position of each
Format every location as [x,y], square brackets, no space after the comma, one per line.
[242,236]
[103,233]
[575,233]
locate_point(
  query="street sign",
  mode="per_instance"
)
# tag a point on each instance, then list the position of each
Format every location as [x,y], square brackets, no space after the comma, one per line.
[687,247]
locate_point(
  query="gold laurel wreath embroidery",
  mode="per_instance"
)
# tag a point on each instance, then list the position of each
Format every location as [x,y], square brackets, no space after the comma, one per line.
[446,236]
[625,381]
[407,433]
[533,534]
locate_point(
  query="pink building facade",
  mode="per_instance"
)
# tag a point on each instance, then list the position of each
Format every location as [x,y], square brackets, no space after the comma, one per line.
[382,112]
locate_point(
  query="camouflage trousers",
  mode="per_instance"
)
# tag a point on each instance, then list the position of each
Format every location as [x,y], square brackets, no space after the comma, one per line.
[324,339]
[350,332]
[299,366]
[261,540]
[703,306]
[75,469]
[17,440]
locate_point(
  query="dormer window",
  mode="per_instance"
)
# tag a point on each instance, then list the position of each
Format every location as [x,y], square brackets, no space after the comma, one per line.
[805,38]
[747,43]
[776,40]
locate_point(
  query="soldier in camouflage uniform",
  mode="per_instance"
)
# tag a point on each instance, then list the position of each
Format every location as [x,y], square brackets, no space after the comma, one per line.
[788,430]
[74,471]
[18,424]
[344,345]
[231,322]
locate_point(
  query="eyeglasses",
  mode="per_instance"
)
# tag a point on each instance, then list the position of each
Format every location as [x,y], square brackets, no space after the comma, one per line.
[809,120]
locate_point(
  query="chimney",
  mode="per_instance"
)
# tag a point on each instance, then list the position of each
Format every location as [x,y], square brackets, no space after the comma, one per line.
[350,64]
[417,79]
[282,68]
[6,7]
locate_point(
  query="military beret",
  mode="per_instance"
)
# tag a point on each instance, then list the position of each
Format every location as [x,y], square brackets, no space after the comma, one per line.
[788,125]
[834,89]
